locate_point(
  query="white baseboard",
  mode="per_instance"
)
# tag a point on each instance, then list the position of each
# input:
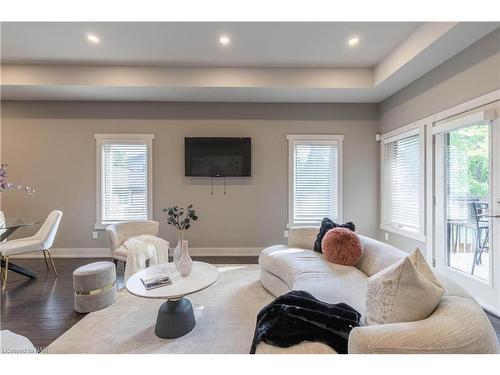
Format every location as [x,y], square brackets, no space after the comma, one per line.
[225,251]
[71,253]
[106,253]
[491,310]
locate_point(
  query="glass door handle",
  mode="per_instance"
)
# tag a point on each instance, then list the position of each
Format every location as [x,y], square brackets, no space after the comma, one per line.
[494,216]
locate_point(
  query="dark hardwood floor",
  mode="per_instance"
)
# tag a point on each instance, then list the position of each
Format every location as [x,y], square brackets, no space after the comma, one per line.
[42,309]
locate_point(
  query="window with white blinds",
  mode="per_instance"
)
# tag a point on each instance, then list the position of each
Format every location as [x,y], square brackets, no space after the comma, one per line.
[124,178]
[315,178]
[403,180]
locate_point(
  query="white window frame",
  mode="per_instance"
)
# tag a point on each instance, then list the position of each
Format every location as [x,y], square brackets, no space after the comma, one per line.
[148,139]
[404,132]
[320,138]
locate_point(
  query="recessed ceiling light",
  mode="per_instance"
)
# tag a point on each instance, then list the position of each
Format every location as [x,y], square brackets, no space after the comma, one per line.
[353,41]
[224,40]
[93,38]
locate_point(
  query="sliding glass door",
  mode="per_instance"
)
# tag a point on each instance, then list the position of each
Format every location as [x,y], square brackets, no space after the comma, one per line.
[467,204]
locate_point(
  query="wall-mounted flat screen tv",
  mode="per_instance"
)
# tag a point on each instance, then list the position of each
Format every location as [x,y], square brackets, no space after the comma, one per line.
[217,157]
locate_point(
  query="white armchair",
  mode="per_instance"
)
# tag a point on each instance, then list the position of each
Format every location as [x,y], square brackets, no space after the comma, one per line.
[41,241]
[118,233]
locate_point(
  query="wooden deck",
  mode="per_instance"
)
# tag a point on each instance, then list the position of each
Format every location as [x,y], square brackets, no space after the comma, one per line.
[463,262]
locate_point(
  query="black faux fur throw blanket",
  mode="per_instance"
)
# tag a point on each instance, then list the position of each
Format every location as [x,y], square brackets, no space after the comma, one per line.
[297,316]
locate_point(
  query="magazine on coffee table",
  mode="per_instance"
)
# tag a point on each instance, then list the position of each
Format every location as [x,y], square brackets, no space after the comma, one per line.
[156,281]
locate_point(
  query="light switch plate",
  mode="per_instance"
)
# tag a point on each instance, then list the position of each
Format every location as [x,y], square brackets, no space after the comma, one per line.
[95,235]
[285,234]
[386,236]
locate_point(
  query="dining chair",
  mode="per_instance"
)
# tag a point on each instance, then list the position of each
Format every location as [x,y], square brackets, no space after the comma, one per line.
[41,241]
[2,222]
[483,231]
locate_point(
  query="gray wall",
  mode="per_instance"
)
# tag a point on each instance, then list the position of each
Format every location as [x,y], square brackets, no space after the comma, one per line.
[51,146]
[472,73]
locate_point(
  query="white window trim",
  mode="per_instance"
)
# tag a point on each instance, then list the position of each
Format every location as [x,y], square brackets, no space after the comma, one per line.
[148,138]
[401,133]
[470,119]
[429,123]
[317,138]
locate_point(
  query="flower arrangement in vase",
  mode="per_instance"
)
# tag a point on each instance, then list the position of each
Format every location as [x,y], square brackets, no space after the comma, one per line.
[5,186]
[181,219]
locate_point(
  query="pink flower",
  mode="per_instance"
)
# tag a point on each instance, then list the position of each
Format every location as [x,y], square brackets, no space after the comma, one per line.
[5,186]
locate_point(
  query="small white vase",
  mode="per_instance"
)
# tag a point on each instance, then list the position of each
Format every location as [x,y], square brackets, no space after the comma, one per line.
[185,261]
[178,250]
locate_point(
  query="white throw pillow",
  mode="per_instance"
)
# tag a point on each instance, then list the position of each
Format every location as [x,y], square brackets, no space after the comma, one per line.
[403,292]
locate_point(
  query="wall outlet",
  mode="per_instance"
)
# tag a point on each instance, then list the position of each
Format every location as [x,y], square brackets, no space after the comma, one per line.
[95,235]
[386,236]
[285,234]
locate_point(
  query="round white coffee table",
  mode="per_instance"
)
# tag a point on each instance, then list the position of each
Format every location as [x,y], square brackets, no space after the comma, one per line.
[175,316]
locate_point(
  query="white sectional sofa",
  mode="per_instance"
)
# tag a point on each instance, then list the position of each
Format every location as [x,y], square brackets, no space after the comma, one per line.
[458,325]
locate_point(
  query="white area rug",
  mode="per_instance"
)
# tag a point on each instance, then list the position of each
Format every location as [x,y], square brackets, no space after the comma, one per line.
[225,320]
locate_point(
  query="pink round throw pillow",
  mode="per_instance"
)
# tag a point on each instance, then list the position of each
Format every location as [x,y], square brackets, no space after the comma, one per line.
[341,246]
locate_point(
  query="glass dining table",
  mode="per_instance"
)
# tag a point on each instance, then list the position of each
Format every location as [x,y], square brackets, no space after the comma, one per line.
[7,227]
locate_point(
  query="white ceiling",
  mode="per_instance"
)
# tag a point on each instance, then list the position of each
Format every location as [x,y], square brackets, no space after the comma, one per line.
[265,62]
[196,44]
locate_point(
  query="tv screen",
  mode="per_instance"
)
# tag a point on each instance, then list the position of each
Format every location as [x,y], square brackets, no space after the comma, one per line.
[217,157]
